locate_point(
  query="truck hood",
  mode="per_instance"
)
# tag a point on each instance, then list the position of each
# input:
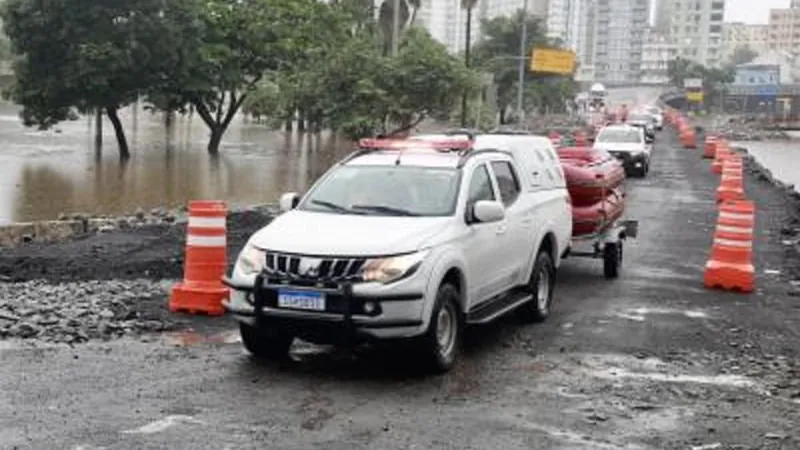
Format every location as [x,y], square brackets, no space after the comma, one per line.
[613,146]
[318,233]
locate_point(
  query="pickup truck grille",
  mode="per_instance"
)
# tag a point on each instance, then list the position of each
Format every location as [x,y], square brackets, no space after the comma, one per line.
[302,270]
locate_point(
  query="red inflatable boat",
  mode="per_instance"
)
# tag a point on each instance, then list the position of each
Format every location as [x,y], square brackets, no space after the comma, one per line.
[594,218]
[590,174]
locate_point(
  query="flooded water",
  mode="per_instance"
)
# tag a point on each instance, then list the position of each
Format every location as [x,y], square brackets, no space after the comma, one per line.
[782,158]
[45,173]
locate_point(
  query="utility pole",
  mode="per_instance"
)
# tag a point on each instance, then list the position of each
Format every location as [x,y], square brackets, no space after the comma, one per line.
[522,59]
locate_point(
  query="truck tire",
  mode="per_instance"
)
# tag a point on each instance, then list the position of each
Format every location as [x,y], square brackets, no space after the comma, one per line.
[612,259]
[541,285]
[441,343]
[265,344]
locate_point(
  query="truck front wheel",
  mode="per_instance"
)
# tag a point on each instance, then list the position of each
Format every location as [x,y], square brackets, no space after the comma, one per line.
[442,342]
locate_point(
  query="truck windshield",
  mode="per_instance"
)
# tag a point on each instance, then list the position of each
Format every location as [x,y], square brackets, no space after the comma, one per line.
[386,191]
[619,136]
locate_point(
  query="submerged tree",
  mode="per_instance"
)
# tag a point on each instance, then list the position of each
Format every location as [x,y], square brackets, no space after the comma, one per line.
[96,57]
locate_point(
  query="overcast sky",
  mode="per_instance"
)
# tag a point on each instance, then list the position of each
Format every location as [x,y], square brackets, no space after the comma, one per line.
[751,11]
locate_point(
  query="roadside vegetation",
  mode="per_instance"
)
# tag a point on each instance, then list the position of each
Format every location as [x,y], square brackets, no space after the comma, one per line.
[286,63]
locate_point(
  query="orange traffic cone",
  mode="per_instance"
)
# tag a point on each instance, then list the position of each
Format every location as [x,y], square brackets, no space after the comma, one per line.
[723,152]
[730,265]
[202,290]
[710,147]
[731,187]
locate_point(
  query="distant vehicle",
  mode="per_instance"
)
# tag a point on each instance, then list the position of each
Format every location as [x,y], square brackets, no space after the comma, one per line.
[658,115]
[408,239]
[598,96]
[646,121]
[627,143]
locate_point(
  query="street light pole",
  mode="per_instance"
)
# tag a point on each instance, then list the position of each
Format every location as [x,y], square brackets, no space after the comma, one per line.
[522,59]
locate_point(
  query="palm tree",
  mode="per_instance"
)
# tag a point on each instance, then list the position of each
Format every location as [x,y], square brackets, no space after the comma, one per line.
[469,5]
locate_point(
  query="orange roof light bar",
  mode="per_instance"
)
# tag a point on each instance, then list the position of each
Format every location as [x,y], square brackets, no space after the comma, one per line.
[399,144]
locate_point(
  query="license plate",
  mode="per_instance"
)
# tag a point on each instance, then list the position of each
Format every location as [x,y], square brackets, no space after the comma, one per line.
[312,301]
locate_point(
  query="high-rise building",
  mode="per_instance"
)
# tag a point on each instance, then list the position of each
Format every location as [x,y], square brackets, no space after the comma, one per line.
[784,28]
[571,22]
[446,20]
[619,36]
[695,26]
[657,51]
[737,35]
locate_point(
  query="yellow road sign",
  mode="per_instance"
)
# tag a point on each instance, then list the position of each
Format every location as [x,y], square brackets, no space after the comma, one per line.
[695,96]
[551,60]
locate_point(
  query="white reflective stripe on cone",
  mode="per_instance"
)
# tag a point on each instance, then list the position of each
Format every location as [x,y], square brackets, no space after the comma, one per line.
[206,222]
[730,215]
[732,243]
[730,229]
[206,241]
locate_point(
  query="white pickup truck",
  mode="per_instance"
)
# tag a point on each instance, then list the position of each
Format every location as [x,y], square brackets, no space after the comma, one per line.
[410,239]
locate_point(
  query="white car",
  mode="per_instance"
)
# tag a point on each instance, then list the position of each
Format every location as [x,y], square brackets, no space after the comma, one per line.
[628,144]
[408,240]
[658,115]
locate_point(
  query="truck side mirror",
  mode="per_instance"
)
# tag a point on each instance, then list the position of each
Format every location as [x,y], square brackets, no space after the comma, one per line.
[289,201]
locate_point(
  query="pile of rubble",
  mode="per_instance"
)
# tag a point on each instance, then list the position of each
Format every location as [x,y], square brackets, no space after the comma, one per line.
[746,129]
[81,311]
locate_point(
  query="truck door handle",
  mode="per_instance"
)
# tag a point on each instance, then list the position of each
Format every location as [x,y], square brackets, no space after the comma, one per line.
[527,221]
[501,229]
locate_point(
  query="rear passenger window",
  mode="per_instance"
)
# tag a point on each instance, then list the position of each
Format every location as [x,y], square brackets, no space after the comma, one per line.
[507,181]
[480,186]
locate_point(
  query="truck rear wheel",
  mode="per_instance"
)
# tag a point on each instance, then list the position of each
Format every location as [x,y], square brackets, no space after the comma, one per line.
[541,286]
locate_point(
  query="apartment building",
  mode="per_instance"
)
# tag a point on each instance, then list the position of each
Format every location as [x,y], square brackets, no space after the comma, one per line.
[695,26]
[784,28]
[657,52]
[736,35]
[620,31]
[446,20]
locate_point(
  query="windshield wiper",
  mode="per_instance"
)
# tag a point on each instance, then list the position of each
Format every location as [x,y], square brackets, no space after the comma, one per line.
[334,206]
[386,209]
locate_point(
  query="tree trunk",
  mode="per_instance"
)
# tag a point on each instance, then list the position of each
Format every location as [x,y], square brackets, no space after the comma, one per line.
[122,142]
[301,121]
[288,125]
[98,128]
[215,140]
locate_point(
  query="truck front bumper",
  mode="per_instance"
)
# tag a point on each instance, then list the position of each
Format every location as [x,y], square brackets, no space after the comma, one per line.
[347,317]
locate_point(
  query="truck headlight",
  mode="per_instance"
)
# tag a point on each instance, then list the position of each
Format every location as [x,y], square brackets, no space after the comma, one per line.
[393,268]
[251,260]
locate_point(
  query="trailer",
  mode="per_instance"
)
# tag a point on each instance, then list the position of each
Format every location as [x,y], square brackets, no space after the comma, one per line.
[606,244]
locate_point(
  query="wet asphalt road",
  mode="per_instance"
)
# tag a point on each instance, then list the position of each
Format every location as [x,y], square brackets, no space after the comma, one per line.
[648,361]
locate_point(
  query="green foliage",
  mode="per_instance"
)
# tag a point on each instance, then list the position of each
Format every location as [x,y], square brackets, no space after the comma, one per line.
[97,56]
[498,53]
[269,58]
[714,79]
[743,55]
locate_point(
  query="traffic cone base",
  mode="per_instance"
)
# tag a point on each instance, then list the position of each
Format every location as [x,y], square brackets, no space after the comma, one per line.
[729,276]
[198,299]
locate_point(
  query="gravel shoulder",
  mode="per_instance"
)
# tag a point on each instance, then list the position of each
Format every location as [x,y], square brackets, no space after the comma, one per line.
[650,361]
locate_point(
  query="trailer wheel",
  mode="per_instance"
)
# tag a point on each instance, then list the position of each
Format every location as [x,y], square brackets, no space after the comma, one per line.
[612,259]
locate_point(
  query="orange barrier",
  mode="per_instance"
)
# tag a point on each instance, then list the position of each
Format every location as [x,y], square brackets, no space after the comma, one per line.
[723,152]
[688,137]
[730,264]
[731,186]
[710,147]
[202,290]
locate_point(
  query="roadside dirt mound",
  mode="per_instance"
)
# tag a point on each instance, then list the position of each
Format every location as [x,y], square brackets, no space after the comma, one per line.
[150,252]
